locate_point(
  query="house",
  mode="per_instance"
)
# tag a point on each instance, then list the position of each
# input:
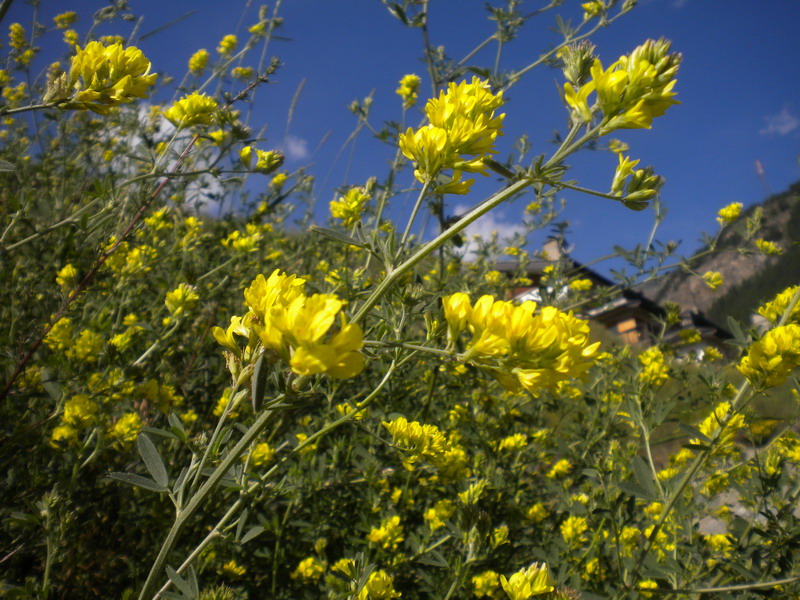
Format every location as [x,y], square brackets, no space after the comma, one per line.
[625,312]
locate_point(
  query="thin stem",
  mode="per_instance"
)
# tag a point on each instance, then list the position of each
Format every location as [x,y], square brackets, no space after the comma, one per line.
[413,216]
[199,498]
[442,238]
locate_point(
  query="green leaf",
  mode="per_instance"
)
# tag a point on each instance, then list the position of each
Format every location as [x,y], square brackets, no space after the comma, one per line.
[252,533]
[139,481]
[179,582]
[644,476]
[335,235]
[693,432]
[634,489]
[6,166]
[241,524]
[152,460]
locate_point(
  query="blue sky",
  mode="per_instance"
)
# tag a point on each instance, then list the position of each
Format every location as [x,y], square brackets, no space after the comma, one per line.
[738,86]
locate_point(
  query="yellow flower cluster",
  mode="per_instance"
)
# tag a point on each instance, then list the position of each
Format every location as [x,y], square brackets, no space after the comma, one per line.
[388,535]
[521,348]
[198,62]
[379,586]
[486,584]
[227,44]
[714,421]
[349,207]
[438,514]
[409,90]
[768,248]
[266,161]
[713,279]
[283,319]
[631,92]
[65,19]
[262,455]
[309,569]
[428,443]
[572,530]
[181,299]
[728,214]
[192,109]
[773,310]
[525,583]
[104,76]
[460,135]
[654,371]
[127,428]
[638,185]
[771,360]
[16,36]
[67,278]
[233,569]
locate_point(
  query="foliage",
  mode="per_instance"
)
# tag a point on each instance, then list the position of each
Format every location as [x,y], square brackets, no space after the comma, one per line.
[239,407]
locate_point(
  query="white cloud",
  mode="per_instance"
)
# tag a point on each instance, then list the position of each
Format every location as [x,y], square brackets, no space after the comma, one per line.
[782,123]
[487,226]
[295,148]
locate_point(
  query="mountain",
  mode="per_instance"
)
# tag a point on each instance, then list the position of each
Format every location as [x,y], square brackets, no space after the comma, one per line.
[750,276]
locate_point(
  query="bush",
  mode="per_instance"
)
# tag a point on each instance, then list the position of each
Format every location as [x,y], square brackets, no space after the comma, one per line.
[237,407]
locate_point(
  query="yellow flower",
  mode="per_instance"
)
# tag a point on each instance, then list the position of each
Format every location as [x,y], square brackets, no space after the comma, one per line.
[127,428]
[560,469]
[486,584]
[232,569]
[772,359]
[654,371]
[278,180]
[713,279]
[227,45]
[192,109]
[104,76]
[198,62]
[349,207]
[309,569]
[388,535]
[460,135]
[379,586]
[438,514]
[65,19]
[532,581]
[517,441]
[580,285]
[522,349]
[595,8]
[294,325]
[262,455]
[87,347]
[67,278]
[728,214]
[80,411]
[426,442]
[768,248]
[773,310]
[572,530]
[181,299]
[409,90]
[647,584]
[63,435]
[632,91]
[538,512]
[16,36]
[242,72]
[60,336]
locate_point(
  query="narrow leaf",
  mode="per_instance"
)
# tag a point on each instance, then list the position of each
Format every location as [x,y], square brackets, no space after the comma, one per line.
[252,533]
[644,476]
[335,235]
[179,582]
[6,166]
[139,481]
[152,460]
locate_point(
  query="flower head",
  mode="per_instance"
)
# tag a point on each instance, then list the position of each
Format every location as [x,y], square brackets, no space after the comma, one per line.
[198,62]
[409,90]
[349,207]
[526,583]
[728,214]
[104,76]
[227,45]
[192,109]
[460,135]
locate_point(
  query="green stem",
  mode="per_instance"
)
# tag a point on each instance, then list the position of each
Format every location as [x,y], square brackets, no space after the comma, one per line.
[199,498]
[425,250]
[413,216]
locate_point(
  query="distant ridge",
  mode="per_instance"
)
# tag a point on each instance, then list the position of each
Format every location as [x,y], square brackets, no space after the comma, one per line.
[750,278]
